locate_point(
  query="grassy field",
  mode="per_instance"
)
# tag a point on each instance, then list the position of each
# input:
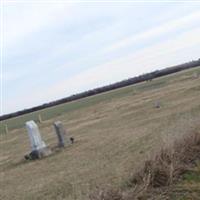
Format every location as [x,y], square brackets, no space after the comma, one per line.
[189,186]
[114,132]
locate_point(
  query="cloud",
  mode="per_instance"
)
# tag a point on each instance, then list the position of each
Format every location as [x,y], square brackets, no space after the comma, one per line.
[170,26]
[157,56]
[55,50]
[30,18]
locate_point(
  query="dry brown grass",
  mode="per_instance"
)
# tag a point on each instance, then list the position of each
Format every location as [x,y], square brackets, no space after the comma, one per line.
[162,170]
[169,164]
[113,138]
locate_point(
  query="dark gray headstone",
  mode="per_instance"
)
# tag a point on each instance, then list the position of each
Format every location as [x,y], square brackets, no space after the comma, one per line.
[157,104]
[63,139]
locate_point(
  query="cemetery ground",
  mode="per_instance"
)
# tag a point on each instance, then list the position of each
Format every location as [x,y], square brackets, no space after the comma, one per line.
[115,132]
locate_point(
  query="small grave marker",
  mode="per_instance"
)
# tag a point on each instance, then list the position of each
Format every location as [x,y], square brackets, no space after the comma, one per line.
[39,118]
[157,104]
[63,139]
[6,129]
[195,75]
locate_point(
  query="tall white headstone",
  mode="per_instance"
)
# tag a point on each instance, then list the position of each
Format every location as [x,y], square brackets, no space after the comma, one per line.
[35,138]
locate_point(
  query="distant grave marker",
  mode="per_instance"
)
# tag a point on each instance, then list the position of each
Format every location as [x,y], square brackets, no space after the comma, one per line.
[63,139]
[39,118]
[38,146]
[195,75]
[157,104]
[6,129]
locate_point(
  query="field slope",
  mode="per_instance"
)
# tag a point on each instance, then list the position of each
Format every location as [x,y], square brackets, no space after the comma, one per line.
[114,132]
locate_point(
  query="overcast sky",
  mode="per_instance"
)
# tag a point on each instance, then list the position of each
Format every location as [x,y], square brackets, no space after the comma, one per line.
[52,49]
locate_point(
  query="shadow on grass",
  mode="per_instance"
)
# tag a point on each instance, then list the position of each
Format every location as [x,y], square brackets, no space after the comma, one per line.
[55,151]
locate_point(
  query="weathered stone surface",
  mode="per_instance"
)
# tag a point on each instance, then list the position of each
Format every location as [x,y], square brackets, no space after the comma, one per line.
[37,154]
[38,146]
[63,139]
[34,135]
[157,104]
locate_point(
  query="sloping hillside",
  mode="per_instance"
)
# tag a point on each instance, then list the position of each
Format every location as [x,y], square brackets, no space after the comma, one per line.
[114,133]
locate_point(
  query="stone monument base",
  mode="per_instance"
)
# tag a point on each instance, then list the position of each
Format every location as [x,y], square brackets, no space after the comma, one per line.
[38,154]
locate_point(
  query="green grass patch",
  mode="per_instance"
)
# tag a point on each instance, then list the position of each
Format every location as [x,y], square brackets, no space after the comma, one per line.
[61,109]
[192,176]
[155,84]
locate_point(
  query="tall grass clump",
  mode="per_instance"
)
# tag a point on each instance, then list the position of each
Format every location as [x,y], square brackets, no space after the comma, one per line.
[162,170]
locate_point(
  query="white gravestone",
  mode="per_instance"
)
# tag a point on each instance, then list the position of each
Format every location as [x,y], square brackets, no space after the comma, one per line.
[35,138]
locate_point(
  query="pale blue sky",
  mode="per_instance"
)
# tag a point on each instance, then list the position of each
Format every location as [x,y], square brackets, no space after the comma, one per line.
[52,50]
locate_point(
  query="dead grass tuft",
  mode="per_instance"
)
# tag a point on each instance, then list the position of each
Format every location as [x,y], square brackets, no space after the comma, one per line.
[167,166]
[106,194]
[162,170]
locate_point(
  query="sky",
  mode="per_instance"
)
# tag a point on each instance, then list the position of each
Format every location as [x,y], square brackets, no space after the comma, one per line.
[53,49]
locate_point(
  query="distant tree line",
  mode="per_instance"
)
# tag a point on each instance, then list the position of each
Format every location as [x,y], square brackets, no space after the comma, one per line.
[130,81]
